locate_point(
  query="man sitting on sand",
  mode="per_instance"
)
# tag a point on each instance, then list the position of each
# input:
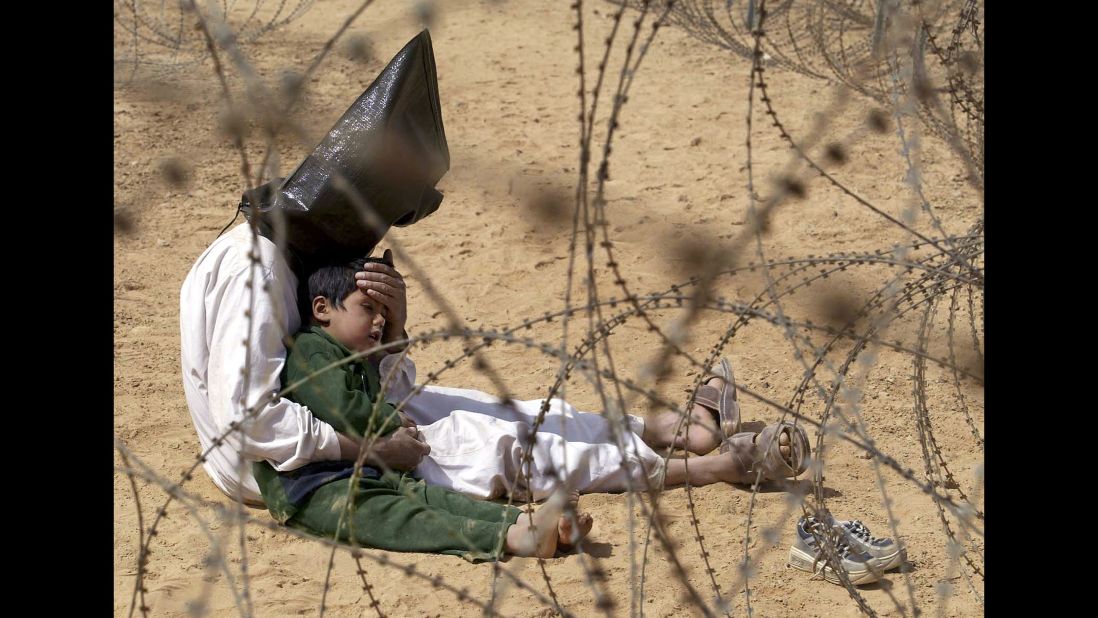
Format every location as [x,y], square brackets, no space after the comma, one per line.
[474,438]
[239,302]
[391,510]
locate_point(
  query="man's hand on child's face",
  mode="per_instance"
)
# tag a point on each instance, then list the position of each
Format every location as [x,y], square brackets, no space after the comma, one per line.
[385,284]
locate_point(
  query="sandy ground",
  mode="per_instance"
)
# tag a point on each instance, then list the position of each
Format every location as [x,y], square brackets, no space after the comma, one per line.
[678,177]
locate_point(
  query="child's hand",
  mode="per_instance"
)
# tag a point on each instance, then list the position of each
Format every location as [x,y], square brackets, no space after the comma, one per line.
[385,284]
[406,422]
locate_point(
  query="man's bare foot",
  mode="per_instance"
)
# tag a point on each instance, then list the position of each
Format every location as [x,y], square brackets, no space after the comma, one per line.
[569,534]
[783,445]
[733,468]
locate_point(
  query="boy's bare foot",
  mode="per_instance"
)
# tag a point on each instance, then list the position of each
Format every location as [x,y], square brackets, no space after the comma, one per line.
[569,534]
[538,537]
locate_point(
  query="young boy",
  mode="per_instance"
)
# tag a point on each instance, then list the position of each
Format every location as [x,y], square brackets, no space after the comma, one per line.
[392,510]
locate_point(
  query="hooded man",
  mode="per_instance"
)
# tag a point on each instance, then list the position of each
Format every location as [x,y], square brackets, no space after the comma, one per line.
[239,304]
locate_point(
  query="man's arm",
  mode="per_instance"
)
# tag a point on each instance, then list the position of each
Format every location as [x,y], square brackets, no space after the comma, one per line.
[284,433]
[348,447]
[332,393]
[386,285]
[400,450]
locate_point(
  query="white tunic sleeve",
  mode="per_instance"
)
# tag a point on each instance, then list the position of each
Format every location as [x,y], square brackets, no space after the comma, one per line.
[216,301]
[282,432]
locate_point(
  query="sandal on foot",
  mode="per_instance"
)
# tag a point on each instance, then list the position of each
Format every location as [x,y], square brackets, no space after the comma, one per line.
[721,401]
[773,465]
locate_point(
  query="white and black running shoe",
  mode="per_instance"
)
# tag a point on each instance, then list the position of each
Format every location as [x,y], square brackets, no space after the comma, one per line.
[806,555]
[885,553]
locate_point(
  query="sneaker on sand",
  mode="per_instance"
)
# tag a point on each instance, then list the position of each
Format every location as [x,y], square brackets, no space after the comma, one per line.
[806,555]
[885,553]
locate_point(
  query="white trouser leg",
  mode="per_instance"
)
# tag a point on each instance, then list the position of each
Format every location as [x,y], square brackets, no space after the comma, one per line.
[476,446]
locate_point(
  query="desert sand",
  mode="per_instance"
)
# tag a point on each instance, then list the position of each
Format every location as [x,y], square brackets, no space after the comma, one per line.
[678,179]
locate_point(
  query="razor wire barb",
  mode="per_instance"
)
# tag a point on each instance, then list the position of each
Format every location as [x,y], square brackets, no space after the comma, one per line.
[160,37]
[902,56]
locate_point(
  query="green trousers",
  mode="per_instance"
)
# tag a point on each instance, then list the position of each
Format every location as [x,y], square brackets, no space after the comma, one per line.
[400,513]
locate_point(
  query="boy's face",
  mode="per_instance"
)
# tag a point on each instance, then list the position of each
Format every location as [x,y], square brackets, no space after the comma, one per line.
[358,325]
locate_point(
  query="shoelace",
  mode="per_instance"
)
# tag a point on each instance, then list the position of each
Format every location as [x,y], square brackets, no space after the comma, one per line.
[841,547]
[858,529]
[820,565]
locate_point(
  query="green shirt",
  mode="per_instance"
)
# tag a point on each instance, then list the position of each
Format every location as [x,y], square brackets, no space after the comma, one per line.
[344,396]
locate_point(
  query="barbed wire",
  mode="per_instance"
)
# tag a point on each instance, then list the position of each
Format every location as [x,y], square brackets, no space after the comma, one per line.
[844,41]
[841,41]
[160,37]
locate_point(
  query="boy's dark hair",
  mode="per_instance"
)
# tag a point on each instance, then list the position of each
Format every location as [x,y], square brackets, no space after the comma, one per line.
[334,281]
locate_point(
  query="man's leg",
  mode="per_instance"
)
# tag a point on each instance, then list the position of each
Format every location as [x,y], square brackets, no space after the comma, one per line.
[435,403]
[471,453]
[729,467]
[482,456]
[701,436]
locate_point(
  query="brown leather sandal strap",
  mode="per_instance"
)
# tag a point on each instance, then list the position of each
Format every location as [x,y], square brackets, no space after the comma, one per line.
[708,397]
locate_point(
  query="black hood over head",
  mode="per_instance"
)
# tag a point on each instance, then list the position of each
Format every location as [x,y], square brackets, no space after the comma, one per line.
[387,151]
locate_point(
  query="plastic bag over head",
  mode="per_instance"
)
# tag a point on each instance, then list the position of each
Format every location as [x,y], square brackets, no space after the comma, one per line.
[376,168]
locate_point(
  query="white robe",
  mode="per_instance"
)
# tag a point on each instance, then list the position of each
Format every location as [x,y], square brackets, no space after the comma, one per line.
[475,440]
[213,323]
